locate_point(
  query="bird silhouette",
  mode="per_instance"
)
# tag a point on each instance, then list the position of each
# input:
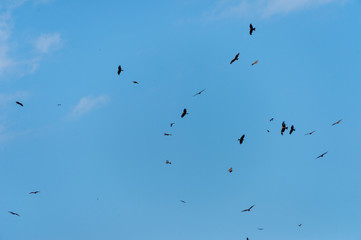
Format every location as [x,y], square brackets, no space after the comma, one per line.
[135,82]
[292,129]
[35,192]
[230,170]
[167,134]
[199,93]
[310,133]
[235,58]
[184,113]
[271,119]
[260,229]
[19,103]
[323,154]
[120,69]
[241,139]
[171,125]
[337,122]
[255,63]
[299,225]
[248,209]
[59,104]
[251,29]
[183,201]
[267,130]
[283,128]
[13,213]
[167,162]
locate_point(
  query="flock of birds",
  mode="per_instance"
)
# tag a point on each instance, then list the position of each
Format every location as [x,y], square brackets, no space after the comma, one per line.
[185,112]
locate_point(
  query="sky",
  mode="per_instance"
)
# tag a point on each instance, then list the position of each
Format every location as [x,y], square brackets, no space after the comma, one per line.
[98,159]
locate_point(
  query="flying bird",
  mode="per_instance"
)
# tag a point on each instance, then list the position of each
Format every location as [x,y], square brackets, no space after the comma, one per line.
[120,69]
[13,213]
[241,139]
[171,125]
[323,154]
[299,225]
[59,104]
[183,201]
[267,130]
[167,134]
[167,162]
[251,29]
[248,209]
[292,129]
[19,103]
[337,122]
[135,82]
[255,63]
[235,58]
[310,133]
[35,192]
[283,128]
[271,119]
[260,229]
[184,113]
[230,170]
[198,93]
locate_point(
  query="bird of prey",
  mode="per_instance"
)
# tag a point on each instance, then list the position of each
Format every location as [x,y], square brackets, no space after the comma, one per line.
[184,113]
[167,134]
[120,69]
[35,192]
[310,133]
[198,93]
[135,82]
[241,139]
[167,162]
[255,63]
[251,29]
[337,122]
[292,129]
[299,225]
[271,119]
[323,154]
[248,209]
[13,213]
[283,128]
[183,201]
[171,125]
[19,103]
[235,58]
[230,170]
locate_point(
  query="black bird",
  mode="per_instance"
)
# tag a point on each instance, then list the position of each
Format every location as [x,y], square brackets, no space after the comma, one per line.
[251,29]
[135,82]
[35,192]
[260,229]
[120,69]
[283,128]
[198,93]
[167,134]
[241,139]
[171,125]
[183,201]
[184,113]
[235,58]
[271,120]
[248,209]
[299,225]
[19,103]
[310,133]
[267,130]
[13,213]
[59,104]
[323,154]
[292,129]
[336,122]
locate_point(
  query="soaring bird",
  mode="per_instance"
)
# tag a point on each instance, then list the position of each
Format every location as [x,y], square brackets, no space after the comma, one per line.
[183,201]
[120,69]
[323,154]
[171,125]
[198,93]
[35,192]
[310,133]
[248,209]
[241,139]
[59,104]
[167,162]
[283,128]
[167,134]
[292,129]
[13,213]
[235,58]
[260,229]
[184,113]
[135,82]
[267,130]
[337,122]
[19,103]
[255,63]
[299,225]
[251,29]
[271,119]
[230,170]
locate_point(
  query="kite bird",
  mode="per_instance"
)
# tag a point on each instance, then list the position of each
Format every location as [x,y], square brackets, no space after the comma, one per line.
[167,134]
[198,93]
[241,139]
[292,129]
[13,213]
[337,122]
[283,128]
[230,170]
[310,133]
[167,162]
[120,69]
[19,103]
[323,154]
[35,192]
[255,63]
[184,113]
[235,58]
[248,209]
[251,29]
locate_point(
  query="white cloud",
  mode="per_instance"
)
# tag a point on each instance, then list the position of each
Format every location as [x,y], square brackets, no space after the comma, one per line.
[47,42]
[87,104]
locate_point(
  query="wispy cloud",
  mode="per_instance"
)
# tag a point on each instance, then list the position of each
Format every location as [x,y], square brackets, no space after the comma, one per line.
[87,104]
[47,42]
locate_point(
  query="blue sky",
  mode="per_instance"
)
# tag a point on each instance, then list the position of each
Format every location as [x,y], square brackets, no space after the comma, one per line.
[98,160]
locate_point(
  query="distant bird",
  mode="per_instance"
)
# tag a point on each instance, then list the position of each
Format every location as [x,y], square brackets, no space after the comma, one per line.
[167,134]
[59,104]
[255,63]
[251,29]
[299,225]
[323,154]
[283,128]
[167,162]
[292,129]
[120,69]
[135,82]
[267,130]
[230,170]
[337,122]
[183,201]
[35,192]
[248,209]
[260,229]
[310,133]
[241,139]
[235,58]
[171,125]
[271,119]
[184,113]
[19,103]
[199,93]
[13,213]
